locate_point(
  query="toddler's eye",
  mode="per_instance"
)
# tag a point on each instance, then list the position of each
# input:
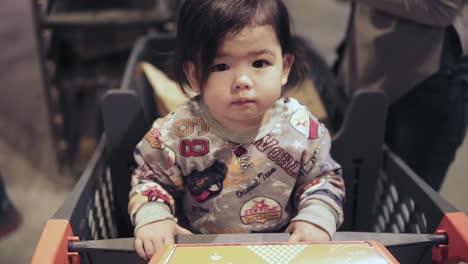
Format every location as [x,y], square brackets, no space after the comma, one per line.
[220,67]
[259,64]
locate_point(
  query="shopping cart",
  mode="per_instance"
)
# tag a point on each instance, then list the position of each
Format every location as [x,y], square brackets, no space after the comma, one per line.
[386,200]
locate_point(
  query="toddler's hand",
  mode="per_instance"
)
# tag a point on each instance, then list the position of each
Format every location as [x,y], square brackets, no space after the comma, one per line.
[153,237]
[302,231]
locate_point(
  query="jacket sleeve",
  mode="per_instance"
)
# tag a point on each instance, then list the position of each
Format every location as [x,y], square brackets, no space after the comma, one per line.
[320,191]
[436,13]
[156,183]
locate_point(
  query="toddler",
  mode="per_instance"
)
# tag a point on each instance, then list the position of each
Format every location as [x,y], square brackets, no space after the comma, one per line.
[238,157]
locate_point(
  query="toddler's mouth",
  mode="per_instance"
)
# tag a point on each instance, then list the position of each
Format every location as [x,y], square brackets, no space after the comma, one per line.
[243,101]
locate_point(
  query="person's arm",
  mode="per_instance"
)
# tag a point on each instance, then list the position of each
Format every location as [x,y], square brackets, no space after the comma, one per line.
[321,192]
[155,183]
[436,13]
[149,200]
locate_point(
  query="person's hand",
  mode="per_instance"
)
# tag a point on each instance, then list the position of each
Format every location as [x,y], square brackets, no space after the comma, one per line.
[302,231]
[154,237]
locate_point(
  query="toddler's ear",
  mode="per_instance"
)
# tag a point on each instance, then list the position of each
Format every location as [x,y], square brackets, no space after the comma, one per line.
[288,60]
[191,75]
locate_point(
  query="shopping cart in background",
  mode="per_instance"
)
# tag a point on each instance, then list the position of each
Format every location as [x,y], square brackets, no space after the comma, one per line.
[386,201]
[83,48]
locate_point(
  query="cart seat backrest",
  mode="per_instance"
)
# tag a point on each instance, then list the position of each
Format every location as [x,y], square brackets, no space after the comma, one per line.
[357,146]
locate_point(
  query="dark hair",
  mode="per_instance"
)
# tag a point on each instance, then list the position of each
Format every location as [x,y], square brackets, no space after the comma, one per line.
[203,24]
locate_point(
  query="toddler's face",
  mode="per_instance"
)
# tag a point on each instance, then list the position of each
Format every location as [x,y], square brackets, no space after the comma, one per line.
[246,77]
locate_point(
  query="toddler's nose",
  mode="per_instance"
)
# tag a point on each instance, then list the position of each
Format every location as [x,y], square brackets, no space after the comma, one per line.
[243,82]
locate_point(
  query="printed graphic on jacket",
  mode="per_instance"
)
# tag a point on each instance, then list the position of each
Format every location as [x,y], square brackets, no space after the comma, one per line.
[236,176]
[260,210]
[306,124]
[240,151]
[208,183]
[194,147]
[154,139]
[152,192]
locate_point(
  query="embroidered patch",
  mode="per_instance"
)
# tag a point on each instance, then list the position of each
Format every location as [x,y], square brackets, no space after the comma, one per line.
[197,147]
[187,127]
[208,183]
[154,138]
[285,160]
[306,124]
[260,210]
[265,143]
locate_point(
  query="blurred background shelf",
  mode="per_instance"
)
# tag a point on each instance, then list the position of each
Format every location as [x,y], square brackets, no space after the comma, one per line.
[82,48]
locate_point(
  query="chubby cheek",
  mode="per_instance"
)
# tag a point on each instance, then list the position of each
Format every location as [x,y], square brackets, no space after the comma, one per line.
[215,100]
[215,96]
[271,89]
